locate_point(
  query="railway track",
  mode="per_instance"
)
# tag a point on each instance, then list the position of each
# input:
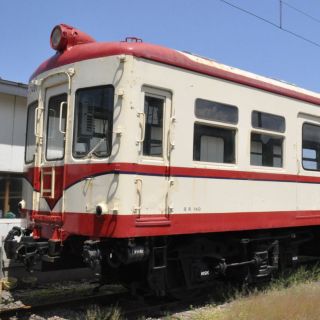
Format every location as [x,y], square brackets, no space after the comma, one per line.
[83,295]
[129,307]
[25,310]
[123,301]
[152,310]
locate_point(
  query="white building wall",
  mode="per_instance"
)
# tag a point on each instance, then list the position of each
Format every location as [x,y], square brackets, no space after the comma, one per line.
[12,132]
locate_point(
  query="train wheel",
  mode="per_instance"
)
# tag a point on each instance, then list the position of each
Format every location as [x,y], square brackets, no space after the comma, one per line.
[177,284]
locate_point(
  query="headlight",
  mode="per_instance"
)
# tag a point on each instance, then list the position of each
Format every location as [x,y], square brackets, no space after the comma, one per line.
[64,36]
[58,38]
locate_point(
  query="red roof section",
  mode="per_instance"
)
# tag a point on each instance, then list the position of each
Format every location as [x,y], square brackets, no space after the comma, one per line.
[169,57]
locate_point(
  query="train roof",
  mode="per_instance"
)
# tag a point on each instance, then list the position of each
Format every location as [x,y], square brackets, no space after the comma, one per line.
[177,59]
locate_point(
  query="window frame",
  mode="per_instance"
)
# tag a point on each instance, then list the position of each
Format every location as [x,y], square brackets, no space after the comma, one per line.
[272,134]
[47,129]
[214,125]
[225,125]
[221,104]
[317,156]
[148,93]
[75,126]
[36,104]
[268,114]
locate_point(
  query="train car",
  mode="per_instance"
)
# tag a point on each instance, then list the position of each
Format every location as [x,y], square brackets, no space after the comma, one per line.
[165,170]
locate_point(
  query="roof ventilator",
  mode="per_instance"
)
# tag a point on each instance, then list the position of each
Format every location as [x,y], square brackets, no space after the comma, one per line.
[133,39]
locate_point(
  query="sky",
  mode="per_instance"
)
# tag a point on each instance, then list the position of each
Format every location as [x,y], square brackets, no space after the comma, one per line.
[209,28]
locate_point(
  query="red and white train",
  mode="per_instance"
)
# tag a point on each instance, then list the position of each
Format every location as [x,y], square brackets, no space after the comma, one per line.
[164,169]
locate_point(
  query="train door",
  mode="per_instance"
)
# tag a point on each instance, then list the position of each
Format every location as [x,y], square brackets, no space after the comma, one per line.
[53,151]
[153,184]
[308,156]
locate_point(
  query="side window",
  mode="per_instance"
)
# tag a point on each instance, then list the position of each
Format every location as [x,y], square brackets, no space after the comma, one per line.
[267,121]
[30,137]
[267,149]
[216,111]
[311,147]
[211,142]
[153,141]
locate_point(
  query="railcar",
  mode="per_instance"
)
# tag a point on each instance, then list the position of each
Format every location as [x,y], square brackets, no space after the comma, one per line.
[164,170]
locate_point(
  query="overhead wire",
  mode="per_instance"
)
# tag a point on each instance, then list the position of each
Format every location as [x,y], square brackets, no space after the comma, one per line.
[278,26]
[301,12]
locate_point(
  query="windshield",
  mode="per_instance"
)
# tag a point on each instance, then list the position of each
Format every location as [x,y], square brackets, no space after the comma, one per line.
[93,122]
[30,136]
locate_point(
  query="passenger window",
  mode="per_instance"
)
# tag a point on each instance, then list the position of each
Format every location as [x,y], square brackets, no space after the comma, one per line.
[216,111]
[267,121]
[267,149]
[311,147]
[213,144]
[153,142]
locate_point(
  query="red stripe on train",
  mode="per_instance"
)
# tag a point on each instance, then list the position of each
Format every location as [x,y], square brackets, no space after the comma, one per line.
[77,172]
[124,226]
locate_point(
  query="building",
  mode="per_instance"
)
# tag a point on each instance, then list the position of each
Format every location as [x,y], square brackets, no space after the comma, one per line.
[13,111]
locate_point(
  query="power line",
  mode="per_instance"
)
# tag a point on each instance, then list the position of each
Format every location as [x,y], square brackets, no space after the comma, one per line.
[301,12]
[250,13]
[278,26]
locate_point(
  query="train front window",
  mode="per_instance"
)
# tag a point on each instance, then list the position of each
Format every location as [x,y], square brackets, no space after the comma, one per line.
[56,125]
[30,136]
[93,122]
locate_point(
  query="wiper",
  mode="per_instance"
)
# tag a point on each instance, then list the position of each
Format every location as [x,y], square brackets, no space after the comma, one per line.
[99,143]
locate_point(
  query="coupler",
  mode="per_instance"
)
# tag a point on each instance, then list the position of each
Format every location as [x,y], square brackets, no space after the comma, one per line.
[27,250]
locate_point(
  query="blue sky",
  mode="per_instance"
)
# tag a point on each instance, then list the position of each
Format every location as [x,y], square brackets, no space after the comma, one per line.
[207,27]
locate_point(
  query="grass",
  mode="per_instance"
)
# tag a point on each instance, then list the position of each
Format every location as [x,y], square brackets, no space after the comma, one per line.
[97,313]
[291,297]
[300,302]
[295,297]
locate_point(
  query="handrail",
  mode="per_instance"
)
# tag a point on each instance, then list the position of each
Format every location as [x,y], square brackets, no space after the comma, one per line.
[142,116]
[137,208]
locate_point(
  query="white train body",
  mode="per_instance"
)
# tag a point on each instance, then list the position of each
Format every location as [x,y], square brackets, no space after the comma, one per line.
[191,191]
[183,145]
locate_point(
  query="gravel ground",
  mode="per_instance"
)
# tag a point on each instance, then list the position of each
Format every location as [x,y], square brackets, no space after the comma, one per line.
[57,291]
[63,291]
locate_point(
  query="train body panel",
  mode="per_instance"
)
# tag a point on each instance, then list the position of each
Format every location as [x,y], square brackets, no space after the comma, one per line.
[138,154]
[210,187]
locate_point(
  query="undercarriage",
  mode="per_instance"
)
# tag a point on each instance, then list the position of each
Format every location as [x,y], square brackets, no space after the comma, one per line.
[176,264]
